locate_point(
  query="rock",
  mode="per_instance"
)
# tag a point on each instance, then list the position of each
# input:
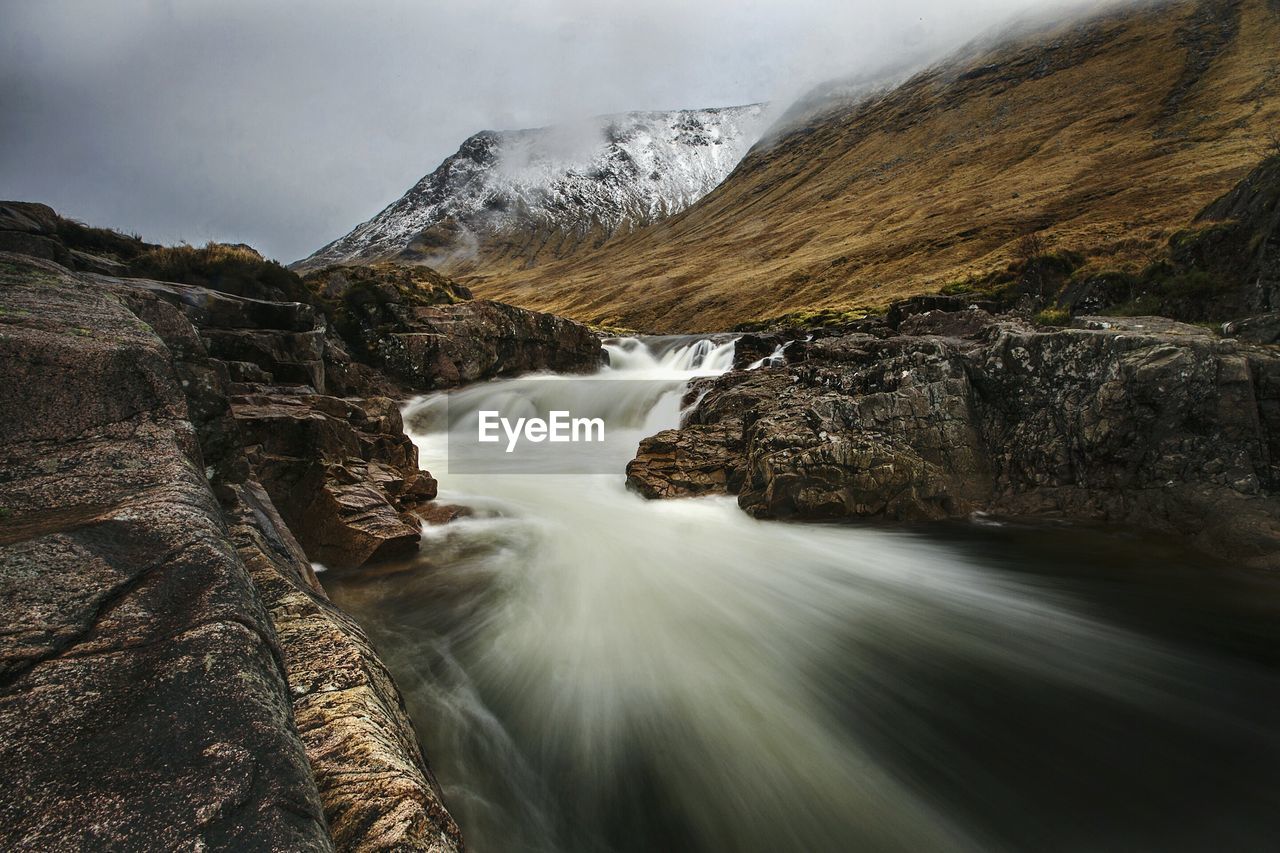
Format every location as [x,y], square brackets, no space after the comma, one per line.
[763,347]
[209,309]
[295,358]
[97,264]
[967,323]
[171,667]
[452,345]
[675,463]
[707,455]
[436,513]
[348,711]
[341,474]
[1138,421]
[34,229]
[1145,325]
[36,245]
[901,310]
[144,695]
[28,216]
[1262,329]
[753,347]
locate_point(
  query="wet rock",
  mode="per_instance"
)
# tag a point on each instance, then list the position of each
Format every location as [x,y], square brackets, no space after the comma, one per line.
[707,455]
[342,473]
[677,463]
[348,711]
[436,513]
[753,347]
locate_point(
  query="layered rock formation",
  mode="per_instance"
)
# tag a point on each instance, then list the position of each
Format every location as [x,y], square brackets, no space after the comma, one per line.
[129,617]
[1141,421]
[159,604]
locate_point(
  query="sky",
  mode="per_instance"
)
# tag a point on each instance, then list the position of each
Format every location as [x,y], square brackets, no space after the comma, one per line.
[283,124]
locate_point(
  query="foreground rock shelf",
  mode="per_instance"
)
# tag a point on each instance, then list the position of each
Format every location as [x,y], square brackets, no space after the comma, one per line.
[944,413]
[169,665]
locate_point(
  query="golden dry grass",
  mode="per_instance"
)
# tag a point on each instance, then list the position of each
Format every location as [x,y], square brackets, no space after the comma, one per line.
[1106,136]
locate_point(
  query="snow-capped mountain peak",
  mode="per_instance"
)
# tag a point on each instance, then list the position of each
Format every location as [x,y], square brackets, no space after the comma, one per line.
[530,195]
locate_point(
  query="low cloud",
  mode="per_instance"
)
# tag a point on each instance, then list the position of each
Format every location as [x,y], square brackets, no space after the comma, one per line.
[284,124]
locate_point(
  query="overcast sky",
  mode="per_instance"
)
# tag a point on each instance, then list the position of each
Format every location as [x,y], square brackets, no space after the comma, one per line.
[284,124]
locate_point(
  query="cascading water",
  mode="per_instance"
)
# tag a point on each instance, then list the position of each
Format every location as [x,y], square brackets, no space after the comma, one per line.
[592,671]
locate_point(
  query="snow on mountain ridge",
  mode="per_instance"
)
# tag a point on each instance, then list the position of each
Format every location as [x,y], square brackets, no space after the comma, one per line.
[549,190]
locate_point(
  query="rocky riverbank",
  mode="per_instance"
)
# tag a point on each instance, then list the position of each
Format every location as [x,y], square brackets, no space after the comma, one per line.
[175,457]
[942,410]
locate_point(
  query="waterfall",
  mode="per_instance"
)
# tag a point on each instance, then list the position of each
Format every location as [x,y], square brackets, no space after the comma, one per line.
[591,671]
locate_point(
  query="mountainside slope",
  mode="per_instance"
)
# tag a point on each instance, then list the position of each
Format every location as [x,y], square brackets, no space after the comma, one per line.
[1103,136]
[515,198]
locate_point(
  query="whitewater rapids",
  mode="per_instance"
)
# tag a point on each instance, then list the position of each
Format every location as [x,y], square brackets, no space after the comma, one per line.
[592,671]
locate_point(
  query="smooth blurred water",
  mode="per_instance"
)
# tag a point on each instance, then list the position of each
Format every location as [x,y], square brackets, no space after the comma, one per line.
[591,671]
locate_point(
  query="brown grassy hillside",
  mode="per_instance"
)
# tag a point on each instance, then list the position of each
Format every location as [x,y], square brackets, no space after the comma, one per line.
[1105,136]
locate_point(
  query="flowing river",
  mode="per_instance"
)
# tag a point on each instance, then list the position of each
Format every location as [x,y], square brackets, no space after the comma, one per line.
[591,671]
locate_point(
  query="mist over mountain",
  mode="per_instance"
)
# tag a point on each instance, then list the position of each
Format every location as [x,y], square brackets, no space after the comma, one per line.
[527,196]
[1103,135]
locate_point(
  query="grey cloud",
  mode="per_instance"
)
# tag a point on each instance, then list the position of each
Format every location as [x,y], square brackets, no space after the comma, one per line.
[283,124]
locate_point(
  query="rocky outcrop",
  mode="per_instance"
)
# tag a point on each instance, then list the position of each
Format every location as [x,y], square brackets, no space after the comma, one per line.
[132,630]
[343,474]
[1262,329]
[341,471]
[1143,421]
[347,331]
[372,778]
[423,330]
[1247,249]
[451,345]
[158,604]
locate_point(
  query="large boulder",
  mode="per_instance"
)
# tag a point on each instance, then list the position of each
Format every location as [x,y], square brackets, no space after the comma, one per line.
[342,472]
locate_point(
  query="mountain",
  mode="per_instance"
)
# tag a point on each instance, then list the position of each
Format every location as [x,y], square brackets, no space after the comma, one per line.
[518,198]
[1103,136]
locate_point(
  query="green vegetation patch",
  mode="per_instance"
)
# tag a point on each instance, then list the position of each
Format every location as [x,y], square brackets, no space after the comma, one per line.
[1053,317]
[809,318]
